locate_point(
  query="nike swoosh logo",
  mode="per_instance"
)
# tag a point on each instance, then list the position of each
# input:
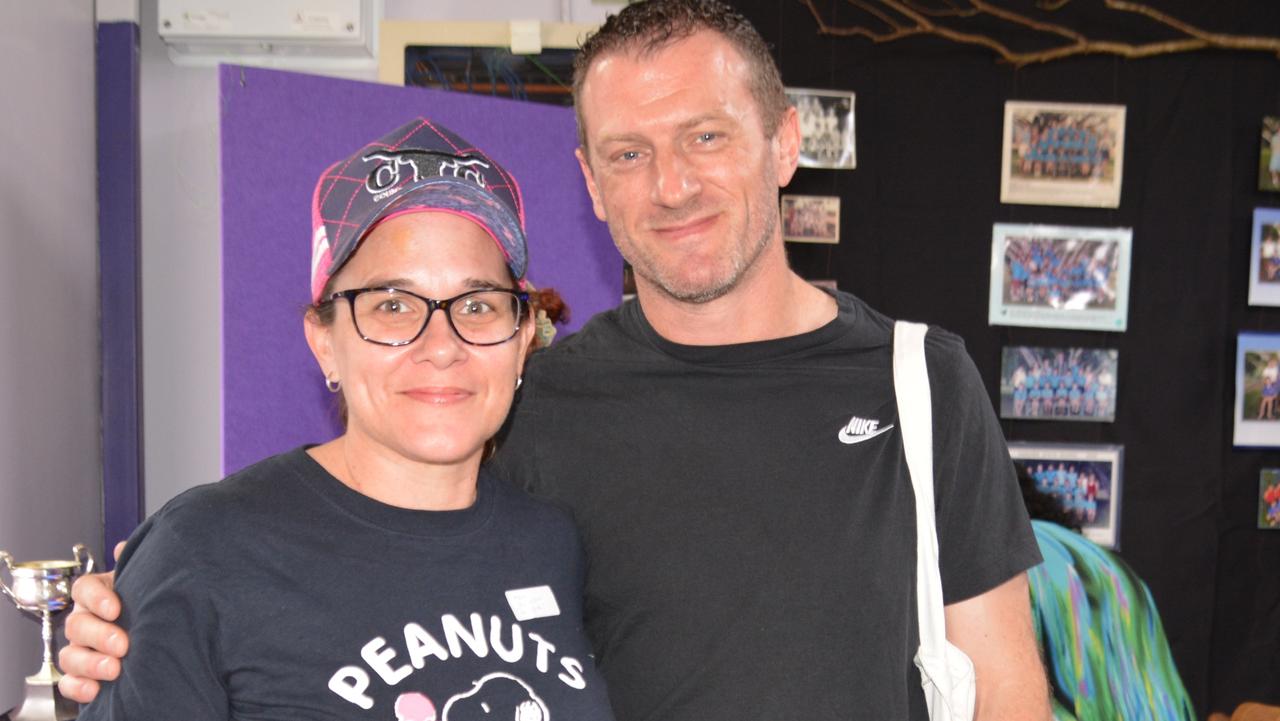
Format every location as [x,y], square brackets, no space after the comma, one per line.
[848,438]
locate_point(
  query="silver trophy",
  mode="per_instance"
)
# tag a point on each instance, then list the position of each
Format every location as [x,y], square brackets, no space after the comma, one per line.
[43,590]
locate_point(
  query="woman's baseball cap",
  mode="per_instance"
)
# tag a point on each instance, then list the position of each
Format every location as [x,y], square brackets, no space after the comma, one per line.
[420,166]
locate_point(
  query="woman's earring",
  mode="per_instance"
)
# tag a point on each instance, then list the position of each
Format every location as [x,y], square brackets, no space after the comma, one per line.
[519,380]
[333,385]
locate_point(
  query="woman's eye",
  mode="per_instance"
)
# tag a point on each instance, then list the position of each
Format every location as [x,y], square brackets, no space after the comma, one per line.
[392,306]
[475,307]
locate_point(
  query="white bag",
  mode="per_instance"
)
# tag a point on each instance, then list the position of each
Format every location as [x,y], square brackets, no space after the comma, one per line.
[945,671]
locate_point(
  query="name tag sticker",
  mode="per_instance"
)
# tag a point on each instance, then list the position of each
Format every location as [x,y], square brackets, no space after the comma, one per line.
[531,603]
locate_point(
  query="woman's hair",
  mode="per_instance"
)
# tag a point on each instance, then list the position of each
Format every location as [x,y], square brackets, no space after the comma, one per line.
[549,300]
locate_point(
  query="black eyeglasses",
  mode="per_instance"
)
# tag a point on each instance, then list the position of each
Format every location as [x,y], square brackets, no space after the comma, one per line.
[395,317]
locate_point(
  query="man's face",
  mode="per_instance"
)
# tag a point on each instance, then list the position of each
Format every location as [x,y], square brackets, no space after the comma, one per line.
[678,164]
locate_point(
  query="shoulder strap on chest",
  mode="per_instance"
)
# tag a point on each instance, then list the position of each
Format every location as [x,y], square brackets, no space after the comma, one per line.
[945,672]
[915,422]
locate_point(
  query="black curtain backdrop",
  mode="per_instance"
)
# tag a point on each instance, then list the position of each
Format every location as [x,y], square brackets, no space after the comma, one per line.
[915,232]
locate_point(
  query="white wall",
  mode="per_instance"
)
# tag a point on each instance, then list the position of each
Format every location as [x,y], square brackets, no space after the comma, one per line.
[181,271]
[591,12]
[50,468]
[181,296]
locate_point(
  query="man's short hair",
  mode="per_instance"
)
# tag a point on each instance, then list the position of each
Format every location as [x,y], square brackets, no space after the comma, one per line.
[647,27]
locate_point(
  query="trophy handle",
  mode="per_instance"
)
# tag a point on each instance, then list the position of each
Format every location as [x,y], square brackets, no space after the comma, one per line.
[8,562]
[83,557]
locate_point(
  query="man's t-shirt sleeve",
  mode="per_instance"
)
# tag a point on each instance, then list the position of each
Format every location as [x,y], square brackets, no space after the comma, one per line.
[984,534]
[513,459]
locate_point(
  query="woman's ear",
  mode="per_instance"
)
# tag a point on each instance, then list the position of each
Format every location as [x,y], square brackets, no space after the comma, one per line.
[320,341]
[525,337]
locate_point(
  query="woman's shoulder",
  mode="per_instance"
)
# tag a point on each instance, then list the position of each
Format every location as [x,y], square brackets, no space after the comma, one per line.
[251,491]
[218,520]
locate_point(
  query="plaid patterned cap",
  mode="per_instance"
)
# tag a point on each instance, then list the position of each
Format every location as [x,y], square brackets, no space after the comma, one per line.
[419,166]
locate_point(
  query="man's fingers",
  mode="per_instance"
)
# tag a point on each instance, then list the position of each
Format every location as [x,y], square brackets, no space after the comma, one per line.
[119,550]
[85,664]
[94,634]
[95,594]
[80,690]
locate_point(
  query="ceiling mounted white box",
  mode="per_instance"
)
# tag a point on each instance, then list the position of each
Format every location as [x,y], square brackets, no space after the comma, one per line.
[299,34]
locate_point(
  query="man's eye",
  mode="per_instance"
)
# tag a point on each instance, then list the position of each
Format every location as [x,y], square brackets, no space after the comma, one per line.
[708,137]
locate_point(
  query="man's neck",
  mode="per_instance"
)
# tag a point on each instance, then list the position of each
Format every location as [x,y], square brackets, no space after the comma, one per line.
[770,302]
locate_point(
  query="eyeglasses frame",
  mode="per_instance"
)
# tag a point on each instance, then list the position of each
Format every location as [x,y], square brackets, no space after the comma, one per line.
[433,305]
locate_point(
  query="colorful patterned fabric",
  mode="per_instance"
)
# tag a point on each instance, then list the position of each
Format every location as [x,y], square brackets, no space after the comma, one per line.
[1105,649]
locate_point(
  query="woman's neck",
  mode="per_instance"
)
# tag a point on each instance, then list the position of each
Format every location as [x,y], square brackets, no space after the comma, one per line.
[386,476]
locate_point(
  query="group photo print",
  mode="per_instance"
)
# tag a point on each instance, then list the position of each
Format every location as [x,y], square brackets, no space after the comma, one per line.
[826,128]
[811,218]
[1059,276]
[1083,478]
[1062,154]
[1063,384]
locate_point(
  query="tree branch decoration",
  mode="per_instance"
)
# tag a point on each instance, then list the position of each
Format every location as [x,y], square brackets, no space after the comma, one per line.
[897,19]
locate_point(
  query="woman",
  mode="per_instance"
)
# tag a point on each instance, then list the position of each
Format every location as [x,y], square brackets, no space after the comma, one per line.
[380,575]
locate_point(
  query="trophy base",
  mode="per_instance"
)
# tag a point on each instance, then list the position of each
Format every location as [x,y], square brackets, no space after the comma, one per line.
[43,702]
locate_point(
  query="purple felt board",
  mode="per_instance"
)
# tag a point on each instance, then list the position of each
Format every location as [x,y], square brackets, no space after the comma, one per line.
[279,132]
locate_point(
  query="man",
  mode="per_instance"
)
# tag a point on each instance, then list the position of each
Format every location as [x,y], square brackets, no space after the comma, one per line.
[728,443]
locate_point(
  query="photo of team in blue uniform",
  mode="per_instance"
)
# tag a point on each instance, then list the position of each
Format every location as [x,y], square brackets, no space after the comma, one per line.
[1083,488]
[1058,383]
[1063,145]
[1064,273]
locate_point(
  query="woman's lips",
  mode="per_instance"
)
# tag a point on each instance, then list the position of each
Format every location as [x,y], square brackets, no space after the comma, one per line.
[438,395]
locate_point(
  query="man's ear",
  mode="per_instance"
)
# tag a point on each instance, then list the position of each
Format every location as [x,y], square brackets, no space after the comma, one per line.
[592,189]
[786,145]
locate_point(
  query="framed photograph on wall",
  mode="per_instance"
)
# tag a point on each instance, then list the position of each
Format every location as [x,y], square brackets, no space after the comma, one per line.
[1257,405]
[1084,478]
[1269,499]
[811,218]
[1057,276]
[1264,258]
[1269,158]
[826,128]
[1062,154]
[1059,384]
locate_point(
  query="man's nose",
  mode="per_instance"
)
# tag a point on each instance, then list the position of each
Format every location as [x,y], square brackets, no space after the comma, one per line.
[675,179]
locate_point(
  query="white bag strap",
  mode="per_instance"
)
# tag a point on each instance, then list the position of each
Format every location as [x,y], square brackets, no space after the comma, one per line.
[946,672]
[915,422]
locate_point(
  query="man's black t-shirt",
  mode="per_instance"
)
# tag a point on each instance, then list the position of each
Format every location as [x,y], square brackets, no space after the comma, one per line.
[747,514]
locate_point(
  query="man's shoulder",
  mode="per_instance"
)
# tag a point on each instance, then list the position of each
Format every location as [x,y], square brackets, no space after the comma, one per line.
[609,333]
[941,345]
